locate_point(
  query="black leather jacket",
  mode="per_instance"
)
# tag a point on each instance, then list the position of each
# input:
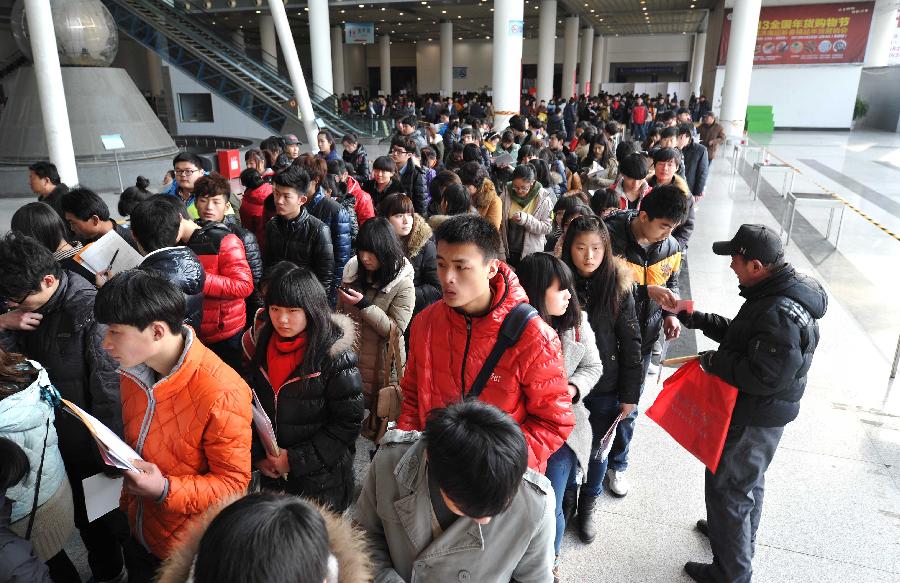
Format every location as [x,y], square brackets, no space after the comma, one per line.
[181,266]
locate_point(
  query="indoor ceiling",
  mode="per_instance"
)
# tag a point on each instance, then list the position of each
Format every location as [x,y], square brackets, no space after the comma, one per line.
[473,19]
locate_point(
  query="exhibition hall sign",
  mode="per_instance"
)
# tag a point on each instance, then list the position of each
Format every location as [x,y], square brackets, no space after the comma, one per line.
[810,34]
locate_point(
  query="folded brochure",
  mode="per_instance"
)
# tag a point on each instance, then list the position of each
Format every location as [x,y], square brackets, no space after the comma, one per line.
[607,442]
[264,428]
[115,452]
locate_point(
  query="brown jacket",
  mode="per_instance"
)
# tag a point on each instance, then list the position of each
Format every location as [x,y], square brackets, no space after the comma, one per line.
[488,203]
[711,136]
[347,545]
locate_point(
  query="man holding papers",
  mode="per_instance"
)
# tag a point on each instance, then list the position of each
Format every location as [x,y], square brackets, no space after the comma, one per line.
[185,412]
[51,321]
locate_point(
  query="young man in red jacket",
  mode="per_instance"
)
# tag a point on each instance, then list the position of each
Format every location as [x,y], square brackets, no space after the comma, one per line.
[451,339]
[229,279]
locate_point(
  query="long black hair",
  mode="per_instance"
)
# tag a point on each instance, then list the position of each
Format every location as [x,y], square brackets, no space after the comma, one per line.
[39,220]
[537,272]
[377,236]
[605,298]
[299,288]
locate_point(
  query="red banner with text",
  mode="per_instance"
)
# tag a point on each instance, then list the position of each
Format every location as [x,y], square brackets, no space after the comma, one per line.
[808,35]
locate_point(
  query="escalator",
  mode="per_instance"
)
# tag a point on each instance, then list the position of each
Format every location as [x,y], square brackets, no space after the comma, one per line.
[253,87]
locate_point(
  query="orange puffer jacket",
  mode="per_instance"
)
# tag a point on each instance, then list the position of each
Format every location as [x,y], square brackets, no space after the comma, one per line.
[195,425]
[529,381]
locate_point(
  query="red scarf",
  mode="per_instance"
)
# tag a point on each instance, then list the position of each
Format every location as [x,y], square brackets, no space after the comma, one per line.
[283,356]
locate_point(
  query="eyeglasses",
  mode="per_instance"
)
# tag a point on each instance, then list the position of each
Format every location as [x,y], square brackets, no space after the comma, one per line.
[525,188]
[185,172]
[397,150]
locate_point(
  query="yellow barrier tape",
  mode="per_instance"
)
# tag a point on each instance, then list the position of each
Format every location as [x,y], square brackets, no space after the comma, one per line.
[827,191]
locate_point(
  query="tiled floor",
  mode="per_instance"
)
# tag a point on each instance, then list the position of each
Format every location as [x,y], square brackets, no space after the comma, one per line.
[833,491]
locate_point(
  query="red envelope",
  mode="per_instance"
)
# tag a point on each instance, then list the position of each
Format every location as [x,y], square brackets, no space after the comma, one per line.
[695,408]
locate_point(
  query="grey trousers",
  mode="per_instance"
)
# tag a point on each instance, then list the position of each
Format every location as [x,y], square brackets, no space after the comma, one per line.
[734,499]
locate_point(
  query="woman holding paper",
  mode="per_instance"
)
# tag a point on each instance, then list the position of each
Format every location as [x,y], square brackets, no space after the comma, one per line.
[603,286]
[26,419]
[304,372]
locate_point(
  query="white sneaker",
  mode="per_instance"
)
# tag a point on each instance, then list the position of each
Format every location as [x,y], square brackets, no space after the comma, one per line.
[618,482]
[652,370]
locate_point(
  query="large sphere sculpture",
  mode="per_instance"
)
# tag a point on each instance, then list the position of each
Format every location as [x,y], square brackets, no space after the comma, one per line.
[86,33]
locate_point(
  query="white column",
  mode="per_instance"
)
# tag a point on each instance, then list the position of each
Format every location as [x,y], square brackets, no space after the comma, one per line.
[509,17]
[51,93]
[295,71]
[597,63]
[739,66]
[237,39]
[546,50]
[446,59]
[384,63]
[337,59]
[570,57]
[587,54]
[697,62]
[320,47]
[268,40]
[881,33]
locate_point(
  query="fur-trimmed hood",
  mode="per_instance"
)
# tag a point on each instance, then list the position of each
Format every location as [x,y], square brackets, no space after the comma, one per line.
[419,236]
[624,276]
[347,545]
[346,342]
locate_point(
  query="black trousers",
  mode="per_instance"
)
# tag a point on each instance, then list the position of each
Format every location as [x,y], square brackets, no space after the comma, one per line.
[142,564]
[734,499]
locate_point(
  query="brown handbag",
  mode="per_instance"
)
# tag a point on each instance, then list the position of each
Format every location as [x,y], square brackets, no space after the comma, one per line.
[385,405]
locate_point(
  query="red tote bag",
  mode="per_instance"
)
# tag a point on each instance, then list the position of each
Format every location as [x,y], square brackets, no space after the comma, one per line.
[695,408]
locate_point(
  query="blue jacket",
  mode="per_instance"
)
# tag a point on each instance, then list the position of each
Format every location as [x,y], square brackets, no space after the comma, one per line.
[24,418]
[330,212]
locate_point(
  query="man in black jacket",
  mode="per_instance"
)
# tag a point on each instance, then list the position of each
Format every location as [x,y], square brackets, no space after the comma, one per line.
[295,235]
[89,218]
[412,178]
[644,240]
[696,160]
[63,336]
[765,352]
[44,181]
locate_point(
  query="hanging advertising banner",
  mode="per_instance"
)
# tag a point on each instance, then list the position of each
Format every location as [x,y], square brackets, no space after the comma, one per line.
[359,33]
[811,34]
[894,57]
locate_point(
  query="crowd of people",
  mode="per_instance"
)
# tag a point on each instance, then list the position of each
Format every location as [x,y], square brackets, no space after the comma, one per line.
[494,297]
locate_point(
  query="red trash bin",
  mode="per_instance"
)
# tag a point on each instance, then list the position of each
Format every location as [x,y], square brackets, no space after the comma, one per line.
[229,163]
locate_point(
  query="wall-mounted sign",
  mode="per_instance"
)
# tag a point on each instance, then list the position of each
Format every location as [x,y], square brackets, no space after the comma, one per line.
[808,35]
[516,27]
[460,72]
[359,33]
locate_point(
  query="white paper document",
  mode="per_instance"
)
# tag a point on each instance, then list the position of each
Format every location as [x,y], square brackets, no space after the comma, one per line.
[264,428]
[607,442]
[115,452]
[101,495]
[111,252]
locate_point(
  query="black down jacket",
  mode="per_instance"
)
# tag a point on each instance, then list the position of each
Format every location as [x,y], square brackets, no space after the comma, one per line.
[303,240]
[618,339]
[659,264]
[412,181]
[317,420]
[767,349]
[330,212]
[69,345]
[251,250]
[181,266]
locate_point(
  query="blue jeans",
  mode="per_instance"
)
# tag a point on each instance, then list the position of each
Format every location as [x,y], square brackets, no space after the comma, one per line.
[638,132]
[561,470]
[603,409]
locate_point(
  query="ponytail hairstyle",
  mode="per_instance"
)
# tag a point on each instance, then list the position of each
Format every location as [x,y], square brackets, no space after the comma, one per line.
[605,299]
